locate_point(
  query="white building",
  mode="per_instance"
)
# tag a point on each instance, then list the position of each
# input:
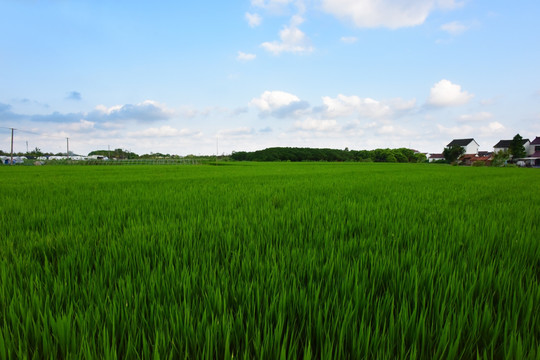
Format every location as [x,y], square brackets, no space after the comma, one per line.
[534,146]
[470,145]
[504,145]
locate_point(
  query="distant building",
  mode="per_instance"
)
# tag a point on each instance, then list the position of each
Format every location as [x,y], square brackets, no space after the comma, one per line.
[534,146]
[470,159]
[435,157]
[470,145]
[97,157]
[504,145]
[533,153]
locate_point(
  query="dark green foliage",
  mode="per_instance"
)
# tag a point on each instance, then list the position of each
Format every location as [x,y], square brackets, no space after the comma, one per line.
[500,158]
[391,158]
[516,149]
[116,153]
[451,154]
[334,155]
[267,261]
[420,158]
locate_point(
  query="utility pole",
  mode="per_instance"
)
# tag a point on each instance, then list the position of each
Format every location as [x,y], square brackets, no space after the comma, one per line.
[217,148]
[67,139]
[27,146]
[12,130]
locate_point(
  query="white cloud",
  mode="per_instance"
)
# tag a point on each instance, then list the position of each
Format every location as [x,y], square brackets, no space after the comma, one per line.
[493,128]
[395,131]
[188,112]
[275,6]
[163,131]
[480,116]
[456,131]
[148,110]
[491,101]
[279,104]
[343,106]
[449,4]
[113,125]
[191,112]
[82,125]
[292,39]
[253,20]
[401,104]
[238,132]
[445,93]
[271,100]
[311,124]
[386,129]
[348,39]
[245,57]
[383,13]
[454,28]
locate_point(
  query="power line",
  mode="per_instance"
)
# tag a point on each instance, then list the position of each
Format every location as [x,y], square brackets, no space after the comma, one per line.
[35,133]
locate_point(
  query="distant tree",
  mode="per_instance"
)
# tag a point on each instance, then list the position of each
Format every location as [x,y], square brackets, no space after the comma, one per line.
[400,157]
[516,149]
[451,154]
[314,154]
[35,152]
[420,158]
[500,158]
[116,153]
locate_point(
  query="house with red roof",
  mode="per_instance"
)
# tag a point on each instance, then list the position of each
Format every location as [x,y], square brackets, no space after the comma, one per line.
[435,157]
[470,159]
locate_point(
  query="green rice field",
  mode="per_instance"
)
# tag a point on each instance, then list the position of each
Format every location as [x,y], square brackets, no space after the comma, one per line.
[269,261]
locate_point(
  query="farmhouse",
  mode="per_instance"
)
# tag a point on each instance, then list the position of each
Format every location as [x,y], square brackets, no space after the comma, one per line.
[470,145]
[470,159]
[533,153]
[504,145]
[435,157]
[532,160]
[535,145]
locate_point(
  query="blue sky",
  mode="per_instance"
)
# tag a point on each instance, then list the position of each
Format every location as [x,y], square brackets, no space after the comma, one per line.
[174,76]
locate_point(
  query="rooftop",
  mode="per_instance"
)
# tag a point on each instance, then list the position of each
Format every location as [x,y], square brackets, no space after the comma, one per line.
[536,141]
[460,142]
[506,143]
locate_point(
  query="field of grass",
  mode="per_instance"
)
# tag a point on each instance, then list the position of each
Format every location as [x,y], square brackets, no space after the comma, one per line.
[273,260]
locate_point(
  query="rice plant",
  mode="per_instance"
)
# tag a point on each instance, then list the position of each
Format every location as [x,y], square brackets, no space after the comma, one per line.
[272,260]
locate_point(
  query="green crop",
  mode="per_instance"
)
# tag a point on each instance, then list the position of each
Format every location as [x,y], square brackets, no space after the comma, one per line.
[276,260]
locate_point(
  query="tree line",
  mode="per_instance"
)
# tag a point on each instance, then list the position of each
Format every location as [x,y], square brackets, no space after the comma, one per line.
[401,155]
